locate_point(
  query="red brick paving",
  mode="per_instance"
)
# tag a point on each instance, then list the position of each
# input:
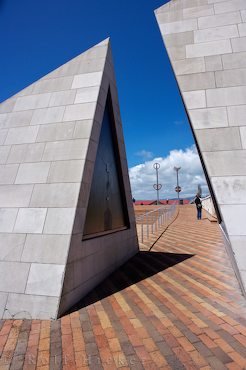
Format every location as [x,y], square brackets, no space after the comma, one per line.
[176,307]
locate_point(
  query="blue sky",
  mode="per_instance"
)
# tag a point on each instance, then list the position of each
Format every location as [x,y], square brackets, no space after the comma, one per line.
[38,36]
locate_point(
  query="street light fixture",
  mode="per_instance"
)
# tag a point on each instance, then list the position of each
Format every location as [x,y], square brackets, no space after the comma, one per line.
[178,188]
[157,186]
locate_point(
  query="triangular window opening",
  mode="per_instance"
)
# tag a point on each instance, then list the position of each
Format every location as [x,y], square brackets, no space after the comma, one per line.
[107,207]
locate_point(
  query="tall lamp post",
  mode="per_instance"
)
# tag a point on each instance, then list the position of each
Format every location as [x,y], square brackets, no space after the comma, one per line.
[178,188]
[157,186]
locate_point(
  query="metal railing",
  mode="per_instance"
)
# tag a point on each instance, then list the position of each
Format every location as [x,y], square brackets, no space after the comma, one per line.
[154,221]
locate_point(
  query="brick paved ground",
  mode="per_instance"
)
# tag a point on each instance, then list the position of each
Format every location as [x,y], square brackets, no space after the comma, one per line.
[175,307]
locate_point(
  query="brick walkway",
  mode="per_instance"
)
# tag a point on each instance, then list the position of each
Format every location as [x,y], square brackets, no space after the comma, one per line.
[175,307]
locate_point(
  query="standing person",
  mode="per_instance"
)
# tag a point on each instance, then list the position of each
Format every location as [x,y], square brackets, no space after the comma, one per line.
[198,207]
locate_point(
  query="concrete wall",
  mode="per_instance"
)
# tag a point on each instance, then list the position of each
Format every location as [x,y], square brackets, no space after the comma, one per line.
[48,142]
[208,205]
[206,44]
[98,257]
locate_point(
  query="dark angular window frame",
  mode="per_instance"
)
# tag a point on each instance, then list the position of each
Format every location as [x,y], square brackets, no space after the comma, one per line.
[119,173]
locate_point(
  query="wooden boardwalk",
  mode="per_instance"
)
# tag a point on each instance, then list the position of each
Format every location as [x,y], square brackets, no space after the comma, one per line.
[177,306]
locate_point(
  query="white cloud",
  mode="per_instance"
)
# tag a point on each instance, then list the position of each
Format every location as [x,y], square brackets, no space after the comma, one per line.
[144,154]
[143,176]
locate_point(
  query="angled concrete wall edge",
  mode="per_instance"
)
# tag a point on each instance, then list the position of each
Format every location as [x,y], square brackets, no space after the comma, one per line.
[85,252]
[204,40]
[47,138]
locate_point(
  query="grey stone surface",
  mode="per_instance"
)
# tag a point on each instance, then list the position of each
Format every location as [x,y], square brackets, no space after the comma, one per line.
[226,96]
[243,15]
[230,190]
[3,134]
[238,243]
[15,195]
[31,173]
[83,129]
[226,163]
[65,150]
[13,282]
[208,48]
[243,136]
[234,219]
[55,132]
[213,63]
[16,119]
[179,39]
[198,11]
[170,17]
[87,80]
[17,153]
[7,219]
[234,60]
[237,115]
[209,117]
[187,66]
[3,301]
[176,52]
[229,6]
[195,99]
[53,84]
[178,26]
[48,143]
[86,95]
[238,44]
[196,81]
[11,246]
[45,249]
[8,106]
[47,115]
[219,20]
[26,153]
[34,152]
[30,220]
[79,111]
[23,306]
[216,33]
[219,139]
[21,135]
[234,77]
[55,195]
[59,221]
[8,173]
[45,279]
[32,102]
[62,98]
[4,152]
[66,171]
[215,49]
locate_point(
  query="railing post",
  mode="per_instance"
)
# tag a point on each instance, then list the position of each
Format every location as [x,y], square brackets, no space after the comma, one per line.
[147,219]
[142,239]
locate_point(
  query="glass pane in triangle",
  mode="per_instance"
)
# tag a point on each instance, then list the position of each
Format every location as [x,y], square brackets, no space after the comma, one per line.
[107,210]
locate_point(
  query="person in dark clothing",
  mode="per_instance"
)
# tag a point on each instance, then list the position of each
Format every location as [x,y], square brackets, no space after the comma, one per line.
[198,207]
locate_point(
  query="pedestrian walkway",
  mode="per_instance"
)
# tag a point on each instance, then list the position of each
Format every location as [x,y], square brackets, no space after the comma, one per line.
[177,306]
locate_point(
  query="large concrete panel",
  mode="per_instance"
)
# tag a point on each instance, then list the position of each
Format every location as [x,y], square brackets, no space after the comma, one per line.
[48,145]
[210,66]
